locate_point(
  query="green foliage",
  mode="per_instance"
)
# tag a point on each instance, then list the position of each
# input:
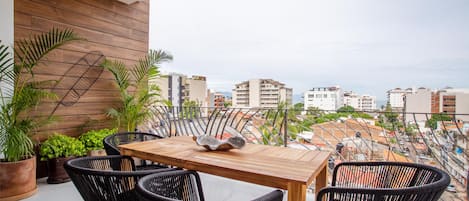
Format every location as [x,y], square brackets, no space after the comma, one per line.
[20,93]
[60,145]
[133,109]
[433,121]
[93,140]
[314,111]
[346,109]
[298,108]
[189,109]
[390,115]
[410,130]
[273,128]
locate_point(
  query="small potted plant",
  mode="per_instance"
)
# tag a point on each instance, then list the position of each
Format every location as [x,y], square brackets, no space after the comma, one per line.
[93,141]
[57,149]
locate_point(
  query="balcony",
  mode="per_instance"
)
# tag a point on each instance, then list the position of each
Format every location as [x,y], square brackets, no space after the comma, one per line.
[352,136]
[119,31]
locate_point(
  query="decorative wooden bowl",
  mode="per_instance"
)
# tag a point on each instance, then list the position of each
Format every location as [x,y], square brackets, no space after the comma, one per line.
[214,144]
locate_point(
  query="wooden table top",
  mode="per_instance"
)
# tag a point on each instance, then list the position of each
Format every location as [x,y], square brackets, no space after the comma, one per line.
[260,164]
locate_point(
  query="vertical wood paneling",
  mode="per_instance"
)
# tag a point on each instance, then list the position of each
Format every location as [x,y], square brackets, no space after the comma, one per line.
[116,30]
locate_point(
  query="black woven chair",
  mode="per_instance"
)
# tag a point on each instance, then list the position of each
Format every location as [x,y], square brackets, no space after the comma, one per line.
[106,178]
[379,181]
[181,185]
[112,142]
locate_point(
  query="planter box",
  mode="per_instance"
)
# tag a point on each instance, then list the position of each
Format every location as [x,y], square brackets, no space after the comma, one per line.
[100,152]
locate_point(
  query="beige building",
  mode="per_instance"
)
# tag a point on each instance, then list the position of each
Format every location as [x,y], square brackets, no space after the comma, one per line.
[418,102]
[177,88]
[455,101]
[265,93]
[450,101]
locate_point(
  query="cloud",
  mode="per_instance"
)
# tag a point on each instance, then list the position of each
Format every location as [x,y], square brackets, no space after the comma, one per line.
[366,46]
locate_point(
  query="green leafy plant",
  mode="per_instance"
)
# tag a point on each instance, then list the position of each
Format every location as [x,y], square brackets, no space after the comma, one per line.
[136,94]
[93,140]
[20,93]
[60,145]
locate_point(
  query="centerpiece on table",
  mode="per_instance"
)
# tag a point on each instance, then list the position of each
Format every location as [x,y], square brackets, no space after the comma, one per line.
[213,144]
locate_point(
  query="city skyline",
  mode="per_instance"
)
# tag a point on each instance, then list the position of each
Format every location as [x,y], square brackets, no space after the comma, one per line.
[368,47]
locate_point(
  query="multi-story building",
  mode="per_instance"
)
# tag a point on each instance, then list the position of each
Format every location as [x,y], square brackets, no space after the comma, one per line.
[361,103]
[396,98]
[352,99]
[219,100]
[216,99]
[324,98]
[368,103]
[265,93]
[418,102]
[177,88]
[454,101]
[450,101]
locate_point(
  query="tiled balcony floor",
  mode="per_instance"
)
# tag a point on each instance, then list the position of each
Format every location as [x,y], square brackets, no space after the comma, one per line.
[215,189]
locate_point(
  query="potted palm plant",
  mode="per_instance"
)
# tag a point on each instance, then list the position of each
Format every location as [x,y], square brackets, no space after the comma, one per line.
[57,150]
[19,94]
[133,109]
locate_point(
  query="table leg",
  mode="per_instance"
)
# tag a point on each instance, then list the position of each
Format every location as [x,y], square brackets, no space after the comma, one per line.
[321,180]
[296,192]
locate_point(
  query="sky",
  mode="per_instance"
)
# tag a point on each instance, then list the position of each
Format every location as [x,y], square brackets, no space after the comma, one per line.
[365,46]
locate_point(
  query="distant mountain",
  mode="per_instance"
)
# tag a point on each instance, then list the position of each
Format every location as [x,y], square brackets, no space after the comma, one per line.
[226,93]
[379,103]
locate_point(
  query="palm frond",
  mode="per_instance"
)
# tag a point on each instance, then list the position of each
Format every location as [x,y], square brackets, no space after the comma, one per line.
[147,67]
[31,51]
[6,74]
[119,71]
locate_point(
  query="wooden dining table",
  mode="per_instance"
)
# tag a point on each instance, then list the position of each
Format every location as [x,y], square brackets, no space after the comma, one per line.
[279,167]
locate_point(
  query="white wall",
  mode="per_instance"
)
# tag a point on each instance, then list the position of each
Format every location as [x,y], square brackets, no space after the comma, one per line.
[419,102]
[462,106]
[254,93]
[6,22]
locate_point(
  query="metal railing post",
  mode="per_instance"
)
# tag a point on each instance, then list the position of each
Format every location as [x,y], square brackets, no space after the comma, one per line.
[285,128]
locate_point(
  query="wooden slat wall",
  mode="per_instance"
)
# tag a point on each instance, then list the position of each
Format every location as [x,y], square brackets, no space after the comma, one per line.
[117,30]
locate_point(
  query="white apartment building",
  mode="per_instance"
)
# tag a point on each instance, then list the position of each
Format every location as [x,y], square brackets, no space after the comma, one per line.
[265,93]
[324,98]
[177,88]
[352,99]
[368,103]
[360,102]
[396,97]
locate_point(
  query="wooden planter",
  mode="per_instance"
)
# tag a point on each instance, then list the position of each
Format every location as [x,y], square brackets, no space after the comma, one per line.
[99,152]
[17,179]
[56,170]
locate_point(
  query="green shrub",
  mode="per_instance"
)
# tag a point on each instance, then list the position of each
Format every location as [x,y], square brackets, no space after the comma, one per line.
[93,140]
[60,145]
